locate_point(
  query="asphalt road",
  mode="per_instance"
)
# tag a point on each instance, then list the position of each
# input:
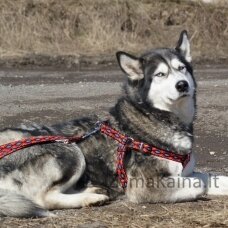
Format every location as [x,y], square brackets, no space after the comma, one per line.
[49,96]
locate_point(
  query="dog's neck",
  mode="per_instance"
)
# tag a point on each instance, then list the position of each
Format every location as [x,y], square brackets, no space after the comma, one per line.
[184,109]
[160,128]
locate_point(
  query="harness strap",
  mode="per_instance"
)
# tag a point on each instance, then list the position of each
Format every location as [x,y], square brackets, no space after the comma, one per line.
[141,146]
[12,147]
[120,169]
[126,144]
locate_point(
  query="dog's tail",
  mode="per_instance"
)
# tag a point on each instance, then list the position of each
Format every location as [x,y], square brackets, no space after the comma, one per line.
[15,205]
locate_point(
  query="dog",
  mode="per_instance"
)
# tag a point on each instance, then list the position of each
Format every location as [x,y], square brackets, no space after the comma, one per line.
[157,107]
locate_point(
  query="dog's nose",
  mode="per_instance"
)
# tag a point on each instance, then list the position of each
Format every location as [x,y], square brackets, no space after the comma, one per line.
[182,86]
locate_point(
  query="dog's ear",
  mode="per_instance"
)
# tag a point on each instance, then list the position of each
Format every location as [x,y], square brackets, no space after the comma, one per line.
[130,65]
[183,46]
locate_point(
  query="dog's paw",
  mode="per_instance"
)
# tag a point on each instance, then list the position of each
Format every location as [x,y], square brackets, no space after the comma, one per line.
[182,142]
[95,200]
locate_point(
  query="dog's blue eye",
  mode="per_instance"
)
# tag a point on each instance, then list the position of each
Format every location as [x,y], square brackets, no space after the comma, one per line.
[160,74]
[180,68]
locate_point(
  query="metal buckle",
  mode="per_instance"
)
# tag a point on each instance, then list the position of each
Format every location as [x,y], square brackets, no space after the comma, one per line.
[129,142]
[94,131]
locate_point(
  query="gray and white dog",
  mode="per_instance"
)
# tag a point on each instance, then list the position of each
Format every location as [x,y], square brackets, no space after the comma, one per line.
[158,107]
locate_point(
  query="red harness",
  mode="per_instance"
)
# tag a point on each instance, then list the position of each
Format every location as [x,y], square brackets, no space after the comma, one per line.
[125,145]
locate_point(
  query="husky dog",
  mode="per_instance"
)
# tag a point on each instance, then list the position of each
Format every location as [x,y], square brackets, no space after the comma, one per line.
[158,107]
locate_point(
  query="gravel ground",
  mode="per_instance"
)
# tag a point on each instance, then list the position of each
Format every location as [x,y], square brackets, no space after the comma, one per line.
[48,96]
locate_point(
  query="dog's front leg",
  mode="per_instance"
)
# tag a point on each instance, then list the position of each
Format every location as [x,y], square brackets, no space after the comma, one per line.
[165,189]
[184,189]
[215,184]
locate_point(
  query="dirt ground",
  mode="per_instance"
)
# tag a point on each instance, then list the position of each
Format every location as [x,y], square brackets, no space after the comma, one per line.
[48,96]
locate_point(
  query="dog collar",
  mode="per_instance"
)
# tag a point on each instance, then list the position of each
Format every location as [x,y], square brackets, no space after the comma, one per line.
[126,144]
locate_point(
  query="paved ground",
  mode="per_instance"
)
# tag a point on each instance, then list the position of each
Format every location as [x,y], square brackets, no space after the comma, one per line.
[50,96]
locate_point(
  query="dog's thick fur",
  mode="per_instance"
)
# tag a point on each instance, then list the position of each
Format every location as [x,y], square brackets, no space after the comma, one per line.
[158,107]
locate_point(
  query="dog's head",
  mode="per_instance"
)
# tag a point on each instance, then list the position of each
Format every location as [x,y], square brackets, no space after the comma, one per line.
[162,79]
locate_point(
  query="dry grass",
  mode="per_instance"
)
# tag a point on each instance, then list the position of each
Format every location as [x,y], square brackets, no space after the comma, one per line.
[100,27]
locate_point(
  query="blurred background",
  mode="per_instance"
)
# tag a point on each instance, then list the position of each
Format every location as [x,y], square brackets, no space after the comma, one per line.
[69,32]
